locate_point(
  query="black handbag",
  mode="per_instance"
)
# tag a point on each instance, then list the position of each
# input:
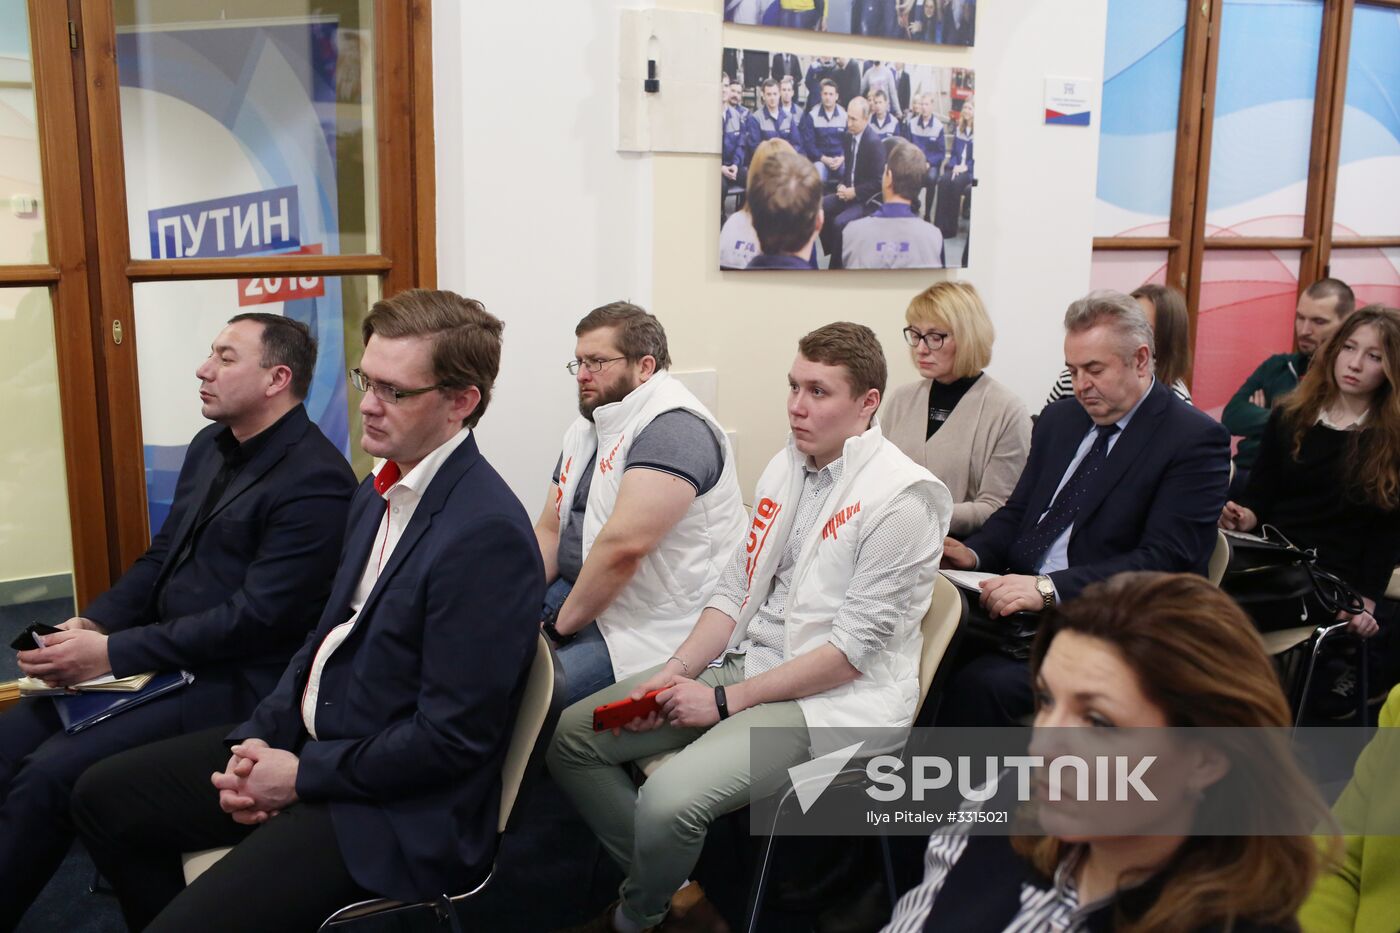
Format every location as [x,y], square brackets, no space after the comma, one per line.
[1009,635]
[1274,581]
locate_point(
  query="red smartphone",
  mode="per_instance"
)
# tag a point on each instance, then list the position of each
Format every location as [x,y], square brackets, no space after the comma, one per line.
[615,715]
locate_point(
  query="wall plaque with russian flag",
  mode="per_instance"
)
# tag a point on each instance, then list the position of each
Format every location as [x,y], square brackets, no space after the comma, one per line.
[1068,101]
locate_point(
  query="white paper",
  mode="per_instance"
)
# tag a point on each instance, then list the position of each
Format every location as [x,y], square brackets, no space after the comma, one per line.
[968,579]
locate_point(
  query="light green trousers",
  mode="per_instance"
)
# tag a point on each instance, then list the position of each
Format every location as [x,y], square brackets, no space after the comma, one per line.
[655,833]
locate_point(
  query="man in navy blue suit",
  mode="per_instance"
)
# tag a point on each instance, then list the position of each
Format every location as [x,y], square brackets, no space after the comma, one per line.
[1124,476]
[374,766]
[227,590]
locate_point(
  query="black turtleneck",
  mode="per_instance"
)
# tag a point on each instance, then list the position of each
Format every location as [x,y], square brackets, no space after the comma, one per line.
[943,397]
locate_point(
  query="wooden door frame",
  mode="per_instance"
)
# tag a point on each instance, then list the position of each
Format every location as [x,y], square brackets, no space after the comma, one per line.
[65,278]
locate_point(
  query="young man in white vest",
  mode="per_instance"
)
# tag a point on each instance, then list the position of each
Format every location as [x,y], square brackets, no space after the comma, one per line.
[643,510]
[814,624]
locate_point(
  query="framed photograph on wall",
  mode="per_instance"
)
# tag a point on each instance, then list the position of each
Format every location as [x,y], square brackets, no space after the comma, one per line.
[837,163]
[936,22]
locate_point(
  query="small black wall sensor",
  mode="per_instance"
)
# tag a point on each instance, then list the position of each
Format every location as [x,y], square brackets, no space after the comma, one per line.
[652,84]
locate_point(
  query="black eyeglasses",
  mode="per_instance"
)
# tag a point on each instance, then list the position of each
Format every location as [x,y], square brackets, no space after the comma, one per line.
[387,394]
[933,339]
[593,366]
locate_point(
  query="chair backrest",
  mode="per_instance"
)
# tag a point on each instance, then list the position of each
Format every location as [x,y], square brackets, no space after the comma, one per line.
[1219,558]
[946,614]
[540,706]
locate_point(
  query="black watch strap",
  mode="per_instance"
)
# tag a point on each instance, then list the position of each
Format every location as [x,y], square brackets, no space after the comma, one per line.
[721,703]
[552,633]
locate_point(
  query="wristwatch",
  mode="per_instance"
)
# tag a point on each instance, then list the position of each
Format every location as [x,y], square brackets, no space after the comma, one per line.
[552,633]
[721,703]
[1046,589]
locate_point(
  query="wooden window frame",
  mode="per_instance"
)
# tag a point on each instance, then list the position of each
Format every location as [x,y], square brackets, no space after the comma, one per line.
[1187,243]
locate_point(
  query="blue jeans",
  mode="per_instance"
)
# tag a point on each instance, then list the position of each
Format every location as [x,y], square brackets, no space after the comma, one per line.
[585,660]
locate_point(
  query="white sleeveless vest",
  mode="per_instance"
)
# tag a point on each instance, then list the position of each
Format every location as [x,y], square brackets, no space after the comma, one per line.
[875,472]
[656,610]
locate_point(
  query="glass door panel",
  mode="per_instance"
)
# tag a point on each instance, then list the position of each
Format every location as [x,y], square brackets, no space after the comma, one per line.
[1141,100]
[177,321]
[1373,274]
[1265,84]
[1368,198]
[1125,270]
[36,551]
[248,133]
[22,239]
[1247,302]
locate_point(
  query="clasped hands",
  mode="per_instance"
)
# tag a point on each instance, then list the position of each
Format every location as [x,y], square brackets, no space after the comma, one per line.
[1001,596]
[258,783]
[77,652]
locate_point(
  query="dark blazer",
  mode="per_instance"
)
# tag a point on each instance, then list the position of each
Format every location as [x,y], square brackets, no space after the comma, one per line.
[785,65]
[865,165]
[1158,499]
[417,704]
[231,598]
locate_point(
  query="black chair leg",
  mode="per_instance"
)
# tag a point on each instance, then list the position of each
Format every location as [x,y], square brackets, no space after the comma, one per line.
[95,886]
[446,914]
[1363,691]
[889,871]
[760,884]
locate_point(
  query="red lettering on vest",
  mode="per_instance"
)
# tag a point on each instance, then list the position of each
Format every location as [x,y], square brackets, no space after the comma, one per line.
[763,521]
[559,489]
[839,518]
[607,464]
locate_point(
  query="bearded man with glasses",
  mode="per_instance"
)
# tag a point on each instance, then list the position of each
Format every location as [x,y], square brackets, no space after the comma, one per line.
[643,509]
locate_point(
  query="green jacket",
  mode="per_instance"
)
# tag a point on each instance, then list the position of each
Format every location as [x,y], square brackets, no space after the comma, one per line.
[1277,376]
[1361,894]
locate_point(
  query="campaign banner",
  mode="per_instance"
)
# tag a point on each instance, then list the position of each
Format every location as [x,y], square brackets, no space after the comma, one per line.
[257,222]
[282,288]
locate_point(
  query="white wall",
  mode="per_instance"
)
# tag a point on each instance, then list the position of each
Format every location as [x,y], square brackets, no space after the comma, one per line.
[538,215]
[609,226]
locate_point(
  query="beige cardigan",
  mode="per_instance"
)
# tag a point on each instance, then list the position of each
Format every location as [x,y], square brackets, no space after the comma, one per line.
[978,453]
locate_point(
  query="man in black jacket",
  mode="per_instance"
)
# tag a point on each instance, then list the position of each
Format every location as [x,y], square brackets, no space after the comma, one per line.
[859,187]
[227,591]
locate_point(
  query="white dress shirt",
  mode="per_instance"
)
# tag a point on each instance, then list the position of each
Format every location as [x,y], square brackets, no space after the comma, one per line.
[402,498]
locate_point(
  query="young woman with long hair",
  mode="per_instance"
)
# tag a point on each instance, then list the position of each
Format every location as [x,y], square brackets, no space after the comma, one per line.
[1328,473]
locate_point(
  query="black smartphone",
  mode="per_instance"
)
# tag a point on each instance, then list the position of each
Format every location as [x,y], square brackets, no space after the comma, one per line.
[26,641]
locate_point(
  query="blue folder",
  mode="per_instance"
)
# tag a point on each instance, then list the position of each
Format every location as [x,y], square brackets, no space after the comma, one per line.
[81,710]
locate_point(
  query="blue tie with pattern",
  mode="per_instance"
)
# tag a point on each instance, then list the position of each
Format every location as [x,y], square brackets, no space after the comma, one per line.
[1027,552]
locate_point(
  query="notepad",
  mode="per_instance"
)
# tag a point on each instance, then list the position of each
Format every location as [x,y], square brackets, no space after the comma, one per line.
[107,683]
[968,579]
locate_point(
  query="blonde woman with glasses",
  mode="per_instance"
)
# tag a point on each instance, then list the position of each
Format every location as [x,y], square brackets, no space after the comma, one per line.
[968,429]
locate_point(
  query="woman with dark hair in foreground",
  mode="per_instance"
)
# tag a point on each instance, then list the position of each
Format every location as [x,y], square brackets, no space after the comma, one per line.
[1142,650]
